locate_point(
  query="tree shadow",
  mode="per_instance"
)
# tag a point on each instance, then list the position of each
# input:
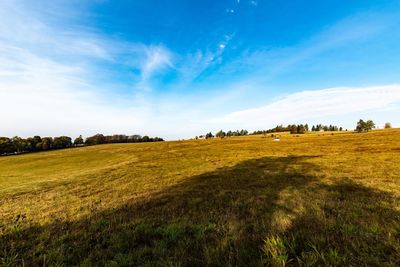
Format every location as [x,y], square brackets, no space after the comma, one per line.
[347,224]
[225,217]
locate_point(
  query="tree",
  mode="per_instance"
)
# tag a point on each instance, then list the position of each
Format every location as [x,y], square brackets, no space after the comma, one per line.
[135,138]
[360,125]
[388,125]
[209,135]
[6,146]
[34,141]
[78,141]
[301,129]
[62,142]
[365,126]
[17,142]
[95,140]
[292,129]
[145,139]
[370,125]
[46,144]
[220,134]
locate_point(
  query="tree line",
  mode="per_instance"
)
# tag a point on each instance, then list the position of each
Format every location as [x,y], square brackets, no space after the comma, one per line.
[18,145]
[222,134]
[320,127]
[299,129]
[292,128]
[362,126]
[120,138]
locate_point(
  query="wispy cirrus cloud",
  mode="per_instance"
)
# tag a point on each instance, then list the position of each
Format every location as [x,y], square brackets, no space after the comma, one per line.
[266,63]
[23,33]
[157,58]
[21,27]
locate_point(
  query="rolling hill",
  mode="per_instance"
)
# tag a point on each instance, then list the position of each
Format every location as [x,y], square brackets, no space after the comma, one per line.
[313,199]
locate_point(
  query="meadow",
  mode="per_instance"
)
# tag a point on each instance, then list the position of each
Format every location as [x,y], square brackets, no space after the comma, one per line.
[318,199]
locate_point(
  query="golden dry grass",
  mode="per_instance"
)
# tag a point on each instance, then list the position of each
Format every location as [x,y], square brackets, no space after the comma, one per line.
[313,199]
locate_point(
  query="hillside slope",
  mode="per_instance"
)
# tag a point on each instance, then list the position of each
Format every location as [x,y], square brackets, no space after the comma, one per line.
[313,199]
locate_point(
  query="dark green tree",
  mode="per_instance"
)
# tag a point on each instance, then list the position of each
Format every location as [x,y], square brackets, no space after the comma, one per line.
[365,126]
[78,141]
[220,134]
[62,142]
[46,144]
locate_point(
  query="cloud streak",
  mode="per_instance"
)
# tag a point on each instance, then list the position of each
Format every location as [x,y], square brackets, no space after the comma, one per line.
[308,105]
[157,58]
[266,63]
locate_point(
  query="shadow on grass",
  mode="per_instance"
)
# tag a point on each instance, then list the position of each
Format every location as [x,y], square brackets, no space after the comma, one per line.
[266,211]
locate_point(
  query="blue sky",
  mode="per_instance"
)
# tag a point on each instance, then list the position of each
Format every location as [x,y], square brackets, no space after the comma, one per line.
[177,69]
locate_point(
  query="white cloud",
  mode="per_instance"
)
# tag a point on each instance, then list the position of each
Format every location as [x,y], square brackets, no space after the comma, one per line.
[49,72]
[20,26]
[308,105]
[157,58]
[254,3]
[217,55]
[42,96]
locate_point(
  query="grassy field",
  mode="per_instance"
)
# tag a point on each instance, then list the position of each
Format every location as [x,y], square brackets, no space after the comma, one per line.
[316,199]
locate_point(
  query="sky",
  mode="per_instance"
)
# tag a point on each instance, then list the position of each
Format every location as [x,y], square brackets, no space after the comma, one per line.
[177,69]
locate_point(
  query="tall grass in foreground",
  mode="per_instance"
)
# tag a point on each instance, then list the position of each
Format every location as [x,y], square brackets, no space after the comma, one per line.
[312,200]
